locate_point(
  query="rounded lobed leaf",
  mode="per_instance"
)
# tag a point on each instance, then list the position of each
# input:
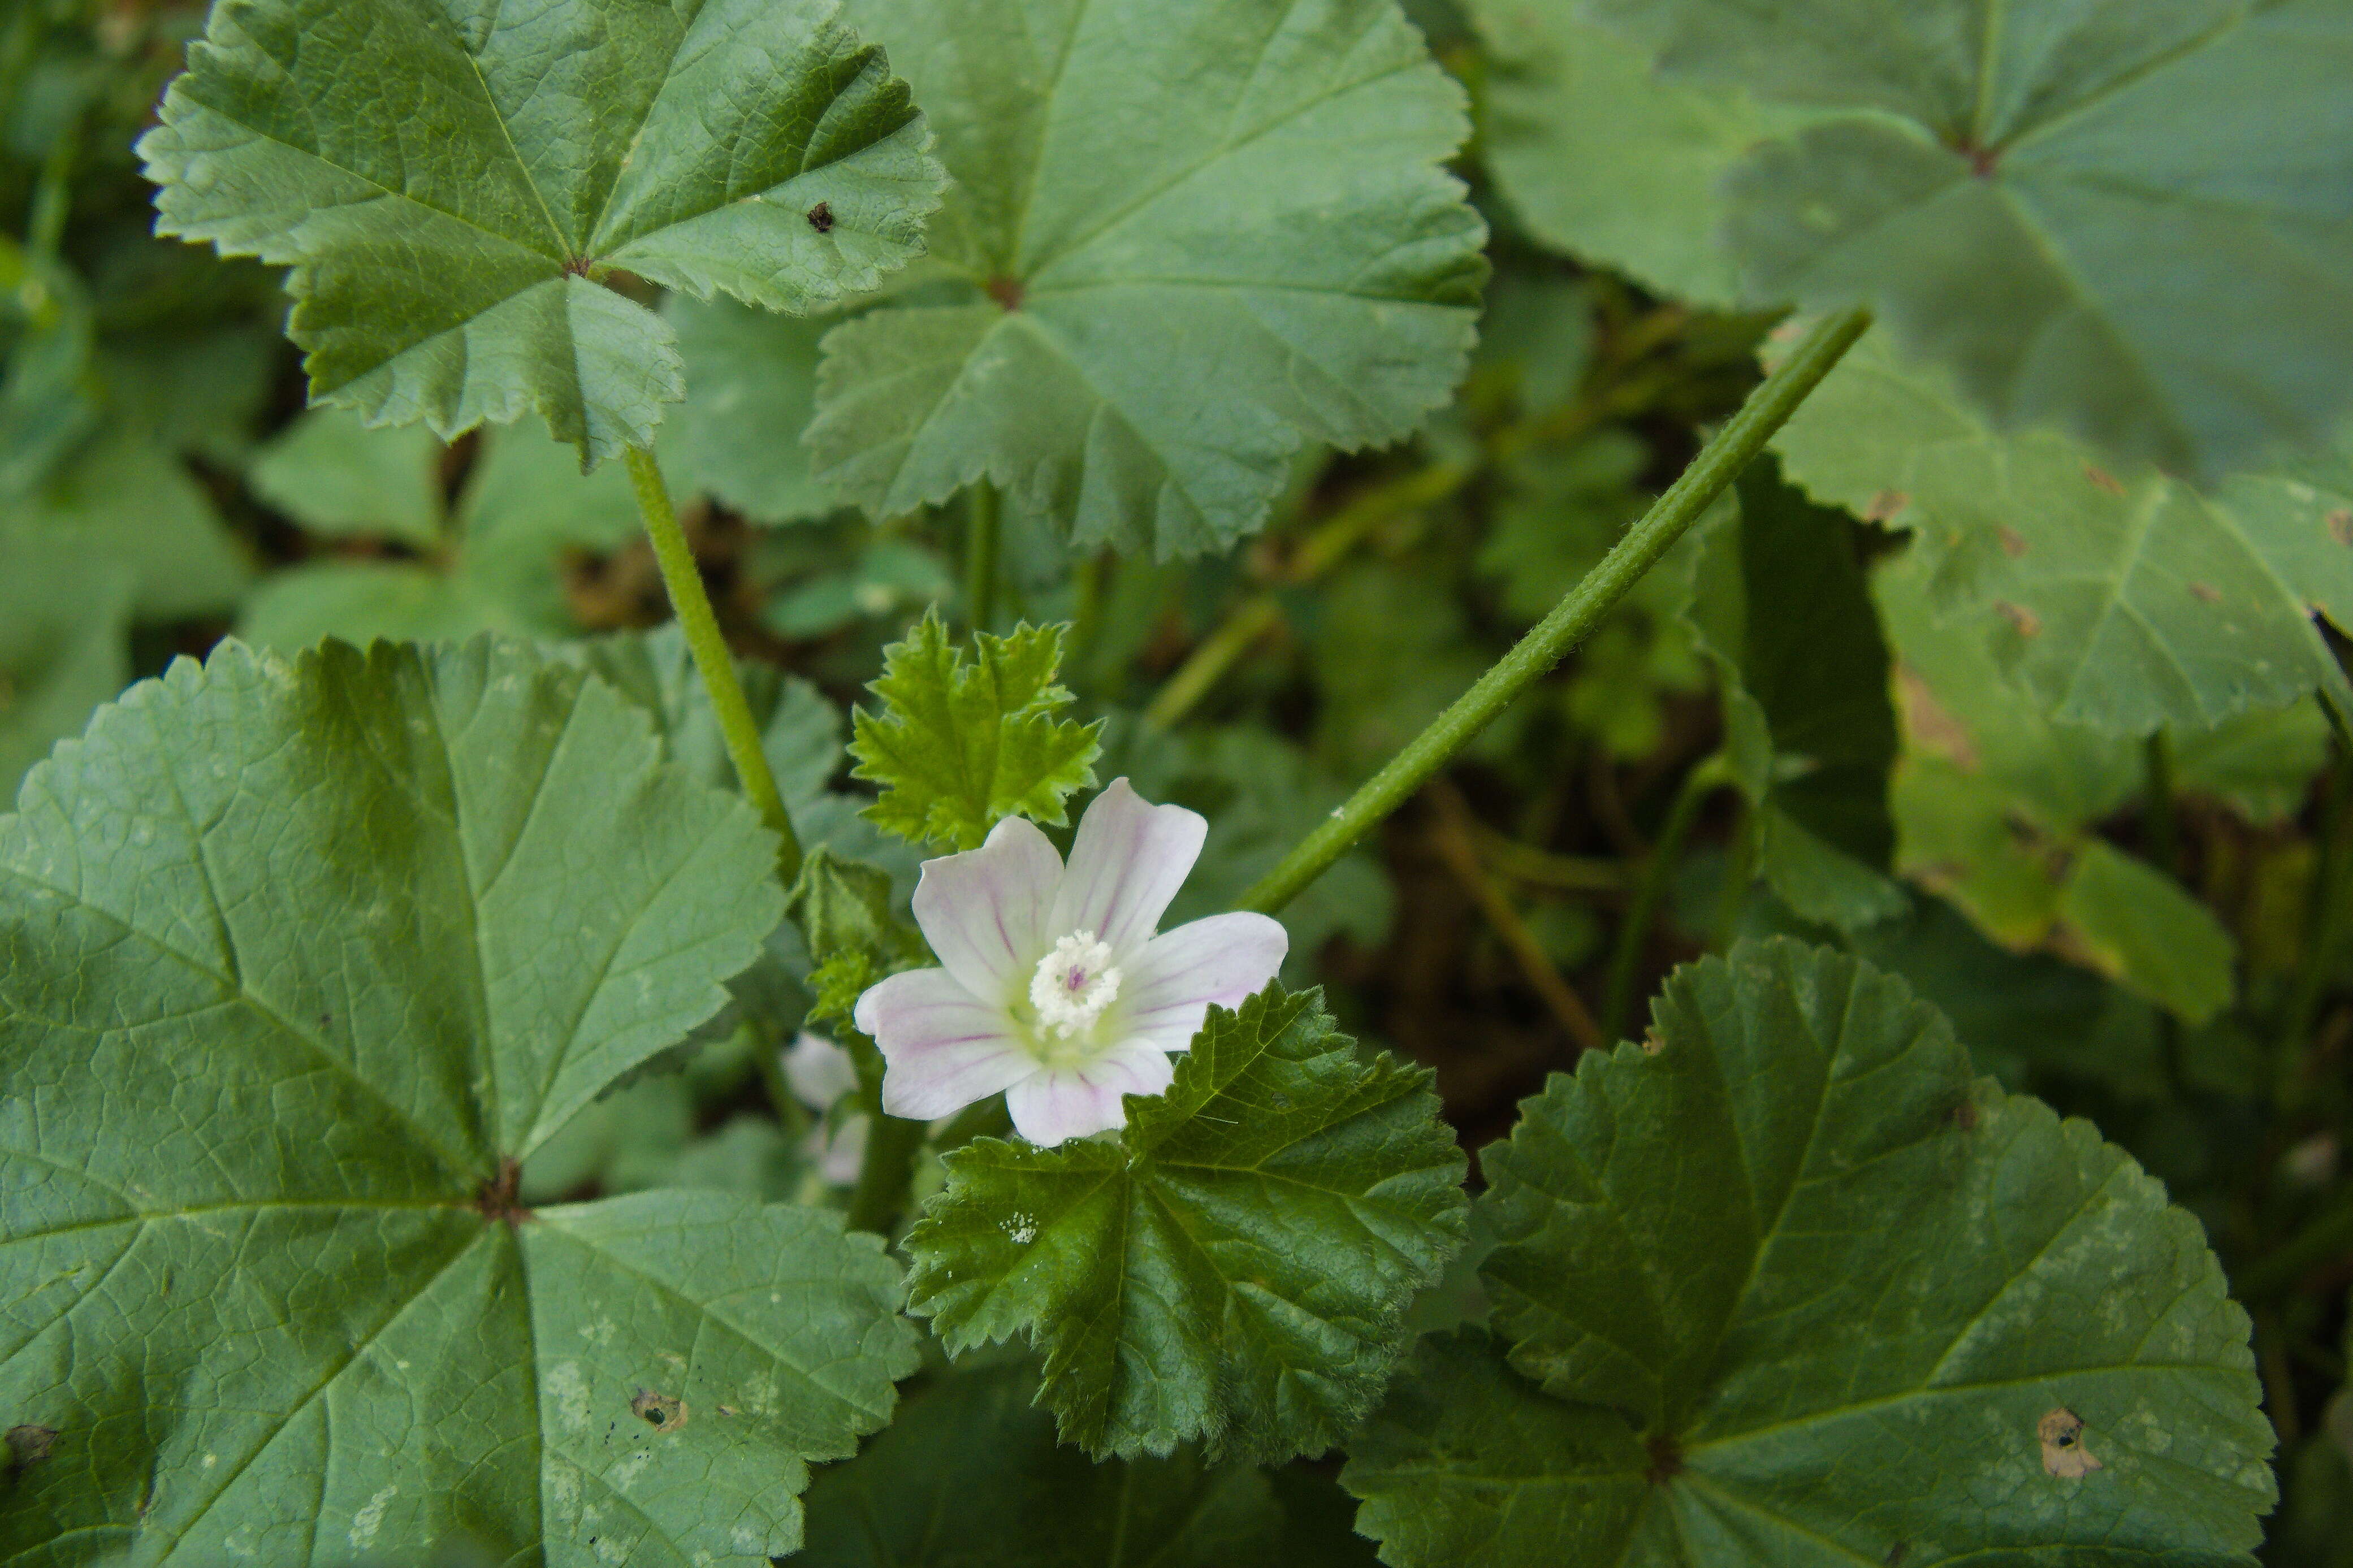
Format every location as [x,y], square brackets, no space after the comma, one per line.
[2029,193]
[298,959]
[1235,1266]
[447,184]
[1181,242]
[1785,1285]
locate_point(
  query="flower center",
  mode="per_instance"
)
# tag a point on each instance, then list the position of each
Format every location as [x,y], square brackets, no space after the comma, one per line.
[1074,985]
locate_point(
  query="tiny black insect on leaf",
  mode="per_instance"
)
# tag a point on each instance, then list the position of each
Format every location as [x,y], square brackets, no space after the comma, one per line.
[820,217]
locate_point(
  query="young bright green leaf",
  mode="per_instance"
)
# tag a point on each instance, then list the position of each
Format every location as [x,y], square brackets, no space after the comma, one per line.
[2030,195]
[1234,1268]
[298,961]
[1181,241]
[448,185]
[970,1472]
[1602,159]
[1785,1286]
[751,390]
[2118,598]
[1779,604]
[963,741]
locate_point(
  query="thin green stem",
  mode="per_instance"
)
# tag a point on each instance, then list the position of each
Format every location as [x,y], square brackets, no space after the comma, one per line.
[983,532]
[1658,874]
[885,1174]
[1208,662]
[1718,464]
[712,660]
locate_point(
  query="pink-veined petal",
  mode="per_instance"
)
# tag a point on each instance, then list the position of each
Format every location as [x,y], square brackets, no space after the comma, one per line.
[1128,861]
[1061,1103]
[942,1047]
[1222,959]
[984,912]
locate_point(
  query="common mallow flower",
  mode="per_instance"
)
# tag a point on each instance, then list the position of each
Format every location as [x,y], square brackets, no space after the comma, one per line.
[1054,988]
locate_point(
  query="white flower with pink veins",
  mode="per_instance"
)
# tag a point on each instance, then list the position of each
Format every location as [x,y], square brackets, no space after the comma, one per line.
[1054,988]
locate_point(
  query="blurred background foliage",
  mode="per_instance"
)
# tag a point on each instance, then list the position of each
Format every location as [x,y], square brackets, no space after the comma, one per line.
[2155,933]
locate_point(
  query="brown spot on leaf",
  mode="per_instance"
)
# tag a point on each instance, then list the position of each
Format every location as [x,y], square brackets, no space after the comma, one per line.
[1005,291]
[1965,1115]
[1929,724]
[2103,479]
[28,1446]
[2013,543]
[1653,1042]
[1666,1458]
[2340,525]
[2207,593]
[659,1411]
[2028,622]
[578,266]
[2064,1453]
[1884,506]
[820,217]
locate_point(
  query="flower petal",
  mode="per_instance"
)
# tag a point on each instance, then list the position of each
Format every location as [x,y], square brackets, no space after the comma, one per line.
[942,1049]
[1061,1103]
[1172,982]
[1127,862]
[984,912]
[820,1071]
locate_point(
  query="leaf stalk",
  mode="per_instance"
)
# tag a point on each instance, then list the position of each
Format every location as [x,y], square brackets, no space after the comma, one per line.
[712,660]
[1720,462]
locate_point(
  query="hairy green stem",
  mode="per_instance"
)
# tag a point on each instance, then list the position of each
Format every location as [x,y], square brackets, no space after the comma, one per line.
[711,658]
[1718,464]
[983,525]
[885,1174]
[1658,874]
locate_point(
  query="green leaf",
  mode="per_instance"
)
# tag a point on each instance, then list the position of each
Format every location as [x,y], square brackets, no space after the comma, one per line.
[970,1472]
[298,961]
[1389,652]
[2119,599]
[964,740]
[2137,925]
[1778,603]
[2029,201]
[1786,1287]
[493,566]
[334,476]
[1178,245]
[1234,1268]
[751,390]
[448,186]
[1602,159]
[64,648]
[49,394]
[123,499]
[800,731]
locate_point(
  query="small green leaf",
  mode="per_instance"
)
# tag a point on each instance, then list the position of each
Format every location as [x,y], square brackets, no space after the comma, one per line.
[447,185]
[125,499]
[970,1472]
[1178,245]
[2117,598]
[964,740]
[298,960]
[64,648]
[334,476]
[1234,1268]
[1786,1287]
[2140,928]
[1778,603]
[800,731]
[2030,201]
[751,390]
